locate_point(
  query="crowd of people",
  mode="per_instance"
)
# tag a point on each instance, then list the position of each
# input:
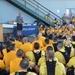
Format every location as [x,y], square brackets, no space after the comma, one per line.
[52,52]
[58,20]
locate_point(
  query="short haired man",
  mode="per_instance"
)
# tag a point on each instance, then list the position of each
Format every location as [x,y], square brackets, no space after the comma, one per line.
[61,54]
[15,62]
[19,21]
[23,68]
[51,66]
[10,56]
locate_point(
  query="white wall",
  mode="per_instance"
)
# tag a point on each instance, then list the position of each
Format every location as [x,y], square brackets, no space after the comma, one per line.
[9,12]
[54,5]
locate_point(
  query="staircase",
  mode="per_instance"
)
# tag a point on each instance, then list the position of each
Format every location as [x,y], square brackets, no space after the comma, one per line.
[36,10]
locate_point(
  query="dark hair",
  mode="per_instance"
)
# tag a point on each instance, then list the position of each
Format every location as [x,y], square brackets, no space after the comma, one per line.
[12,46]
[49,48]
[60,44]
[46,41]
[36,45]
[24,63]
[73,38]
[8,44]
[20,53]
[51,36]
[17,37]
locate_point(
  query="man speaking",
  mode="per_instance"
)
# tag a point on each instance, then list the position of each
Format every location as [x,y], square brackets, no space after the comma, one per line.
[19,20]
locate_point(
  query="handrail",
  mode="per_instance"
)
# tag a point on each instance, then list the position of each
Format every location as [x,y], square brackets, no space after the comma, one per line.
[36,8]
[41,9]
[46,9]
[36,5]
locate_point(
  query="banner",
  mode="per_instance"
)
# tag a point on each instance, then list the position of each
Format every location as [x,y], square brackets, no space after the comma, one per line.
[27,30]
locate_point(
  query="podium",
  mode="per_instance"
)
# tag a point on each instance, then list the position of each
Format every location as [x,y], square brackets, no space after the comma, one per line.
[1,33]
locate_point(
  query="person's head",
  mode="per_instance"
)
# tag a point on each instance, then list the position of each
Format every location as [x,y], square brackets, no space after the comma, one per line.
[60,45]
[55,39]
[25,39]
[20,53]
[8,44]
[9,35]
[49,52]
[46,41]
[24,63]
[41,26]
[50,36]
[49,48]
[17,38]
[19,14]
[12,47]
[68,42]
[36,45]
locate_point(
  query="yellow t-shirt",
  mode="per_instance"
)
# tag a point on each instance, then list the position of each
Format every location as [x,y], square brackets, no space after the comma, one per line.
[59,69]
[47,17]
[43,59]
[29,73]
[14,65]
[17,43]
[8,57]
[54,21]
[4,51]
[51,42]
[60,57]
[71,63]
[2,66]
[26,47]
[72,20]
[31,55]
[40,30]
[42,38]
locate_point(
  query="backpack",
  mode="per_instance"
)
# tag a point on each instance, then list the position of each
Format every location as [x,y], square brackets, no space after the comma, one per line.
[66,56]
[73,45]
[37,56]
[51,67]
[68,50]
[21,73]
[55,47]
[70,71]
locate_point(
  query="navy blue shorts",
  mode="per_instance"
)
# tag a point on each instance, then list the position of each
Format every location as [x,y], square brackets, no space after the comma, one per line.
[19,26]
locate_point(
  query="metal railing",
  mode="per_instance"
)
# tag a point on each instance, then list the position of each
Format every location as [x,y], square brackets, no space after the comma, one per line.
[41,10]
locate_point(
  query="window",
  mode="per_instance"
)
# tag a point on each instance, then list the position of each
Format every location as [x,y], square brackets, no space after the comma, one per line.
[70,12]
